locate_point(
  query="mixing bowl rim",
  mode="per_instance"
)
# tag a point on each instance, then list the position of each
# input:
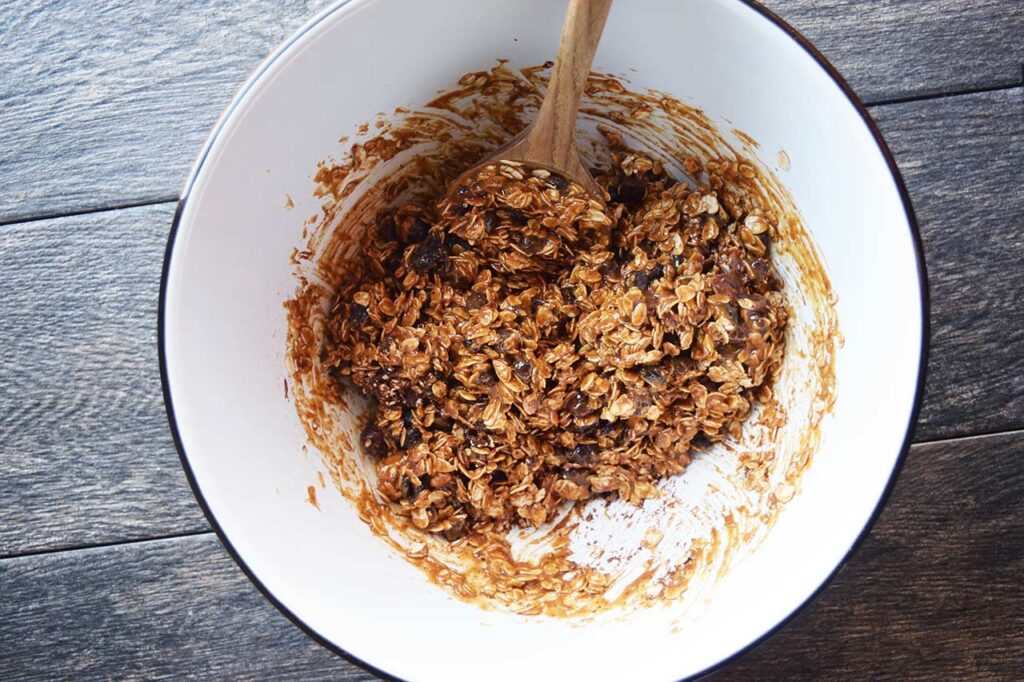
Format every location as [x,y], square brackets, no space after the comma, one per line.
[240,97]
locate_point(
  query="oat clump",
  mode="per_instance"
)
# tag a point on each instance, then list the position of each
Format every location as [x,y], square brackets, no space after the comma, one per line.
[526,345]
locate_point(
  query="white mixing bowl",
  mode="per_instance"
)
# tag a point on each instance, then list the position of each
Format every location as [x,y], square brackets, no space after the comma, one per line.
[227,272]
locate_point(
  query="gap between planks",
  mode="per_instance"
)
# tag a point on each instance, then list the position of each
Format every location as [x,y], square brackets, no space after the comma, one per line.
[969,437]
[870,104]
[201,533]
[87,211]
[102,545]
[924,97]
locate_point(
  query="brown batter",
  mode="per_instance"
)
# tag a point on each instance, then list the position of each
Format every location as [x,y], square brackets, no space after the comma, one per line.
[422,151]
[526,345]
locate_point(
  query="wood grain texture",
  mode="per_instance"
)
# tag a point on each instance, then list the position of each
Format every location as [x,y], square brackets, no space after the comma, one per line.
[550,140]
[165,609]
[963,160]
[934,593]
[890,49]
[86,452]
[105,103]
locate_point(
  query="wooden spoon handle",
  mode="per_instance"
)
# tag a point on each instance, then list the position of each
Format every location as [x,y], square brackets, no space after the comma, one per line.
[554,127]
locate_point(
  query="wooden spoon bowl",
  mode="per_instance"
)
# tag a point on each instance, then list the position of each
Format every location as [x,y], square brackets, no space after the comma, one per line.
[549,142]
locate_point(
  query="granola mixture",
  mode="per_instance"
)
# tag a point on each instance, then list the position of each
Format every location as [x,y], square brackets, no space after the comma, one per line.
[602,557]
[527,346]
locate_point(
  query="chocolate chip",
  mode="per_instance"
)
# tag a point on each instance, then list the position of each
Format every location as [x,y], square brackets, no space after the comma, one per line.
[416,230]
[727,284]
[523,369]
[608,429]
[431,254]
[648,247]
[475,300]
[757,321]
[535,245]
[458,244]
[499,476]
[760,269]
[643,279]
[393,261]
[578,405]
[413,437]
[491,222]
[630,191]
[358,314]
[528,243]
[581,454]
[507,339]
[373,441]
[517,218]
[381,388]
[386,230]
[558,182]
[409,489]
[457,530]
[609,269]
[653,376]
[476,439]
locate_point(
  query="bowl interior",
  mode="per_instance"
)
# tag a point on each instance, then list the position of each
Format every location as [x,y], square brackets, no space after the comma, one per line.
[229,272]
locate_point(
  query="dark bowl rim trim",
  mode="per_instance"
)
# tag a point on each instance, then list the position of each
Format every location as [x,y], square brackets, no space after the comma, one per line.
[897,180]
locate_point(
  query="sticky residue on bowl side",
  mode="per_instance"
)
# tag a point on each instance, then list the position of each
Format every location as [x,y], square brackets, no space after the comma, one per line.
[604,557]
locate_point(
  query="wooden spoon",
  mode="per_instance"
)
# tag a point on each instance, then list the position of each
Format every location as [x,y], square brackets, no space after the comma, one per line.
[549,142]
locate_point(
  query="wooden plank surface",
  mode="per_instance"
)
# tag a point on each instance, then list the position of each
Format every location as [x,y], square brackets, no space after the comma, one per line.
[935,590]
[88,456]
[105,103]
[893,49]
[963,161]
[154,610]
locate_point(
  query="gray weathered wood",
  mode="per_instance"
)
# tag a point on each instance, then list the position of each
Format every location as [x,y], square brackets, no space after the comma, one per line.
[935,593]
[164,609]
[106,103]
[85,449]
[890,49]
[963,159]
[87,456]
